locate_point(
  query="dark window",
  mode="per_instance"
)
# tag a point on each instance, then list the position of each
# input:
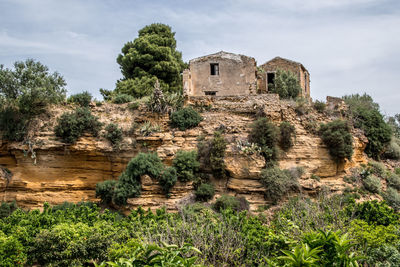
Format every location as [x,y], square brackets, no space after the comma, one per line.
[270,78]
[210,92]
[214,68]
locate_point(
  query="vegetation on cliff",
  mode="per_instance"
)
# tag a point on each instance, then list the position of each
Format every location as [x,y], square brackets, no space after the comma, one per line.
[151,56]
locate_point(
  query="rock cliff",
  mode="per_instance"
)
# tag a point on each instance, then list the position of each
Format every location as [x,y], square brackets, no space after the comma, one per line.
[45,169]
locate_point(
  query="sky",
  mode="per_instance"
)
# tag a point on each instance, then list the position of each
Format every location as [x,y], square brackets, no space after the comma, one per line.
[348,46]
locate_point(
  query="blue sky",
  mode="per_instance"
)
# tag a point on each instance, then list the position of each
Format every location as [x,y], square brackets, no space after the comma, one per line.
[349,46]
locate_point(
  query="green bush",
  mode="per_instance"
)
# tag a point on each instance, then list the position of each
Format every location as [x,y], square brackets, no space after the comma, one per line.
[69,244]
[277,183]
[26,91]
[393,150]
[377,168]
[301,107]
[392,197]
[113,134]
[373,212]
[105,190]
[134,253]
[186,165]
[287,134]
[230,202]
[286,84]
[205,192]
[134,105]
[185,118]
[148,128]
[266,136]
[72,125]
[138,87]
[82,99]
[167,179]
[6,208]
[372,183]
[122,98]
[217,154]
[336,136]
[129,181]
[12,252]
[319,106]
[393,180]
[367,117]
[385,255]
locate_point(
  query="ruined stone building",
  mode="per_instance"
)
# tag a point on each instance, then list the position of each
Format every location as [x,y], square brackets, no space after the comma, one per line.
[270,67]
[228,74]
[220,74]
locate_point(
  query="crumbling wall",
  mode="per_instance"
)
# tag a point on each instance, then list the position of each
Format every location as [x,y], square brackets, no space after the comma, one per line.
[236,75]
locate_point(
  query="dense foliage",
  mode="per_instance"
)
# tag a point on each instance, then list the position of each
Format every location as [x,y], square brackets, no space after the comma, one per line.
[332,231]
[185,118]
[278,183]
[186,165]
[152,55]
[205,192]
[82,99]
[337,137]
[319,106]
[266,136]
[217,154]
[113,134]
[286,84]
[72,125]
[366,116]
[26,91]
[287,135]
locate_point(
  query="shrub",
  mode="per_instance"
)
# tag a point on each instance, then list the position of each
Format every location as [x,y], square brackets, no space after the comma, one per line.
[134,105]
[113,134]
[81,99]
[105,190]
[230,202]
[185,118]
[122,99]
[12,252]
[217,154]
[319,106]
[205,192]
[72,125]
[393,150]
[377,168]
[372,183]
[7,208]
[367,117]
[70,244]
[129,181]
[286,84]
[186,165]
[167,179]
[287,135]
[148,128]
[301,107]
[373,212]
[393,180]
[25,92]
[265,135]
[277,183]
[392,197]
[336,136]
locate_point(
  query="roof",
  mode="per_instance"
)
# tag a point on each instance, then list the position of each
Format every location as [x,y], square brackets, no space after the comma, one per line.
[285,59]
[221,54]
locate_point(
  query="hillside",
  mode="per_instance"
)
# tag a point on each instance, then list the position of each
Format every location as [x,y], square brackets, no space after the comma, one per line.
[48,170]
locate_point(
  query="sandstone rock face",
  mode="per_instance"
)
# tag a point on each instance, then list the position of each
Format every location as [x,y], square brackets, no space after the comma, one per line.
[46,169]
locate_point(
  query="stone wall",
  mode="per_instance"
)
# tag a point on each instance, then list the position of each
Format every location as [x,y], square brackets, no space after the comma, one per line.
[236,75]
